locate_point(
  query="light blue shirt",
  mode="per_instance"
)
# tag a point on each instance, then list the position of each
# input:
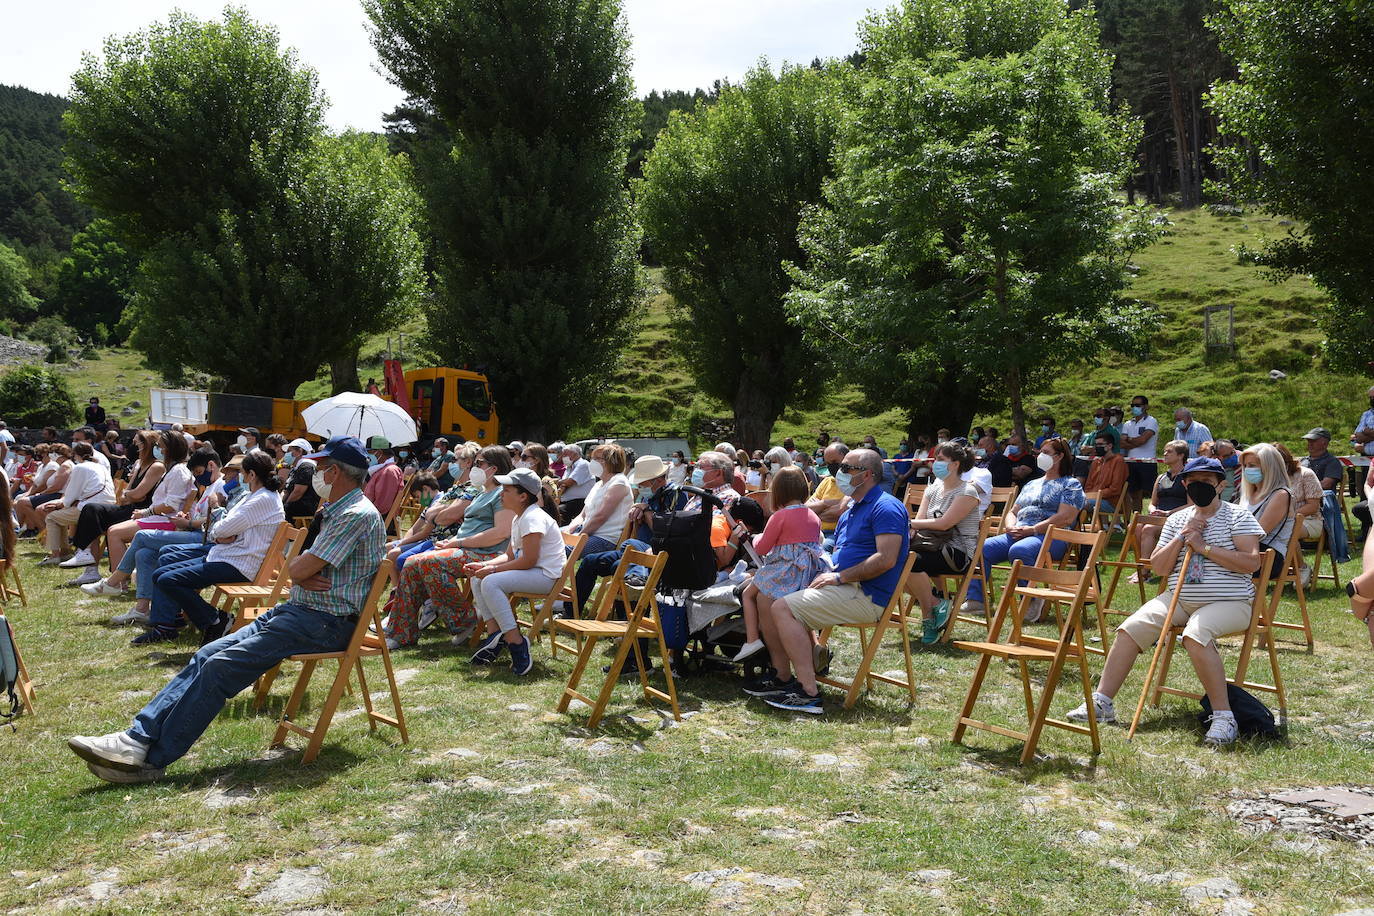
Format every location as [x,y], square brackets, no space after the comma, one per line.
[1366,422]
[1194,435]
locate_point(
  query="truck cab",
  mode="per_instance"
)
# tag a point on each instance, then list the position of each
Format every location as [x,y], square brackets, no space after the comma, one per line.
[452,403]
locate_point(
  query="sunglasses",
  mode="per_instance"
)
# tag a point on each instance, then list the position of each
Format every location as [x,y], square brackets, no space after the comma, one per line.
[851,468]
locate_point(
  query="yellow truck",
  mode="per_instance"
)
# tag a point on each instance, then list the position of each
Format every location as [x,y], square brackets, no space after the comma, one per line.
[453,403]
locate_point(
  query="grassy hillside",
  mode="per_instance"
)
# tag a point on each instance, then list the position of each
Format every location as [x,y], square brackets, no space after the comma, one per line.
[1193,267]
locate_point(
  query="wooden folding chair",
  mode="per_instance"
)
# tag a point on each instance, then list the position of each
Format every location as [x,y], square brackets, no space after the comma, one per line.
[986,528]
[1129,559]
[401,496]
[1023,649]
[915,492]
[1289,575]
[267,587]
[1322,551]
[864,676]
[366,641]
[23,684]
[1003,498]
[543,606]
[10,584]
[1157,675]
[1094,542]
[641,623]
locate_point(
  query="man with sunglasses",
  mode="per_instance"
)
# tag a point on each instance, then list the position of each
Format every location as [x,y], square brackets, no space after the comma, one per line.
[871,539]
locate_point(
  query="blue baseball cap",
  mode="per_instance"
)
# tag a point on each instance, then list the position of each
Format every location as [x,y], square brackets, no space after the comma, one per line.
[1210,465]
[345,450]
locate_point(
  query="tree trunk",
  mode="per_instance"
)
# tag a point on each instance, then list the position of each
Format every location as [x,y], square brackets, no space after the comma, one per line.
[1187,179]
[951,406]
[343,371]
[1018,409]
[755,408]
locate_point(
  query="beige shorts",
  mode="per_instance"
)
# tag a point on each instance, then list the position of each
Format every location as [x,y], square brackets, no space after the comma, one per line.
[1311,527]
[819,608]
[1202,623]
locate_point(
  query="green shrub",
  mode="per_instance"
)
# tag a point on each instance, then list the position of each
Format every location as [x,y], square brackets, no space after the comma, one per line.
[33,396]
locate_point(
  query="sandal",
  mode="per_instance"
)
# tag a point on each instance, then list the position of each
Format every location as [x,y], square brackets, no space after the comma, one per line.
[1360,606]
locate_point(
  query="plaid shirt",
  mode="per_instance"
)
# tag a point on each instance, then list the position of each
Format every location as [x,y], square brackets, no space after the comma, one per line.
[1194,435]
[352,544]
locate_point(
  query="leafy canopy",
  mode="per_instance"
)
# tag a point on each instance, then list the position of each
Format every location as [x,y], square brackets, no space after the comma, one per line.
[971,241]
[34,396]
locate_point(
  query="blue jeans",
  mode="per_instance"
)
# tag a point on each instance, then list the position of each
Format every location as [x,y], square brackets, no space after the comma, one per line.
[177,585]
[181,711]
[412,550]
[602,562]
[1002,548]
[143,551]
[1107,507]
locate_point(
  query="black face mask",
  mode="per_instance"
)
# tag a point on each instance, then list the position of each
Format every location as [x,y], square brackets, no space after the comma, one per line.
[1202,494]
[832,467]
[1100,450]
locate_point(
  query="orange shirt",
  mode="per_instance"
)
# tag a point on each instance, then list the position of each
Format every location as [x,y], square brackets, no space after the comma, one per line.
[1107,474]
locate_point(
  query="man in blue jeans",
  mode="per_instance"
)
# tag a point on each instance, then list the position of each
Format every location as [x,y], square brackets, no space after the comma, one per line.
[331,582]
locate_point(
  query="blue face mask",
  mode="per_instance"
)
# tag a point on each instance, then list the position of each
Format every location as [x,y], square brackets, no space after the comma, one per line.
[845,483]
[698,477]
[1253,475]
[403,454]
[1013,451]
[231,485]
[1137,410]
[157,453]
[1098,421]
[1044,427]
[203,479]
[940,469]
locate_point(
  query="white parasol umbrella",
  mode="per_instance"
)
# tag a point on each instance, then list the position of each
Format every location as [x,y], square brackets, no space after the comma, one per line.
[361,415]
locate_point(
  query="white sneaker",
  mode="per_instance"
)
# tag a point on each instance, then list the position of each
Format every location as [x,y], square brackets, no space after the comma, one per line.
[1223,730]
[740,572]
[89,576]
[1103,708]
[1305,576]
[748,649]
[144,773]
[101,588]
[51,561]
[116,750]
[428,614]
[1034,611]
[461,638]
[973,607]
[131,616]
[392,643]
[82,557]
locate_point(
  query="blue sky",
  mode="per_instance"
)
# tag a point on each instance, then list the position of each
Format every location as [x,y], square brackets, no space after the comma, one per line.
[678,44]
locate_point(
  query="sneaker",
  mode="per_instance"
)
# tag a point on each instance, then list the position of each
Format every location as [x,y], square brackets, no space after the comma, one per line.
[1223,730]
[629,669]
[1034,611]
[101,588]
[973,608]
[797,700]
[820,659]
[748,649]
[521,663]
[154,635]
[90,576]
[82,557]
[636,580]
[133,615]
[1103,708]
[428,614]
[125,777]
[1305,576]
[460,638]
[50,561]
[934,626]
[115,750]
[490,650]
[217,629]
[768,685]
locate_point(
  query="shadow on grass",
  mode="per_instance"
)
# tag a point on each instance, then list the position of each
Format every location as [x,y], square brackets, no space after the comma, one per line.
[1007,760]
[252,777]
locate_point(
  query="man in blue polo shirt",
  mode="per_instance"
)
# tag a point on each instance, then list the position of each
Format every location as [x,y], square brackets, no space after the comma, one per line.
[870,541]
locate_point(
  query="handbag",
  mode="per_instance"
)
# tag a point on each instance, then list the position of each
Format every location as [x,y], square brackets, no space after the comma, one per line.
[928,541]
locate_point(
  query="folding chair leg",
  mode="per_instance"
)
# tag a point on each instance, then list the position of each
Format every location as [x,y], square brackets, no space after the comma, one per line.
[668,676]
[265,686]
[395,691]
[584,657]
[331,703]
[861,677]
[603,698]
[294,703]
[1162,680]
[365,694]
[1037,725]
[971,699]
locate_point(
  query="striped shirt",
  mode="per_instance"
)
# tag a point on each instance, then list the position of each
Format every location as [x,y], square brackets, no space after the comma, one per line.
[252,523]
[352,543]
[1217,582]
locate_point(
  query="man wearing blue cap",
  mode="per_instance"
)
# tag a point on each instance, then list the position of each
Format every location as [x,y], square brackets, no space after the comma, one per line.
[1214,599]
[330,583]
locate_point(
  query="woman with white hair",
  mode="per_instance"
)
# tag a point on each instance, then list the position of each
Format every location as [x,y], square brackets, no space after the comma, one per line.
[1264,491]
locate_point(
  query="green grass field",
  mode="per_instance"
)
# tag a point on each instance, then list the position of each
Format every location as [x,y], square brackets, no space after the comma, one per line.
[501,805]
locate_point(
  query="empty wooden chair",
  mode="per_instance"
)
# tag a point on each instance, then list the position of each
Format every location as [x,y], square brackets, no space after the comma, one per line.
[915,492]
[1022,648]
[958,585]
[1003,498]
[1285,576]
[1321,551]
[366,641]
[10,584]
[641,623]
[543,606]
[890,617]
[1157,675]
[1131,563]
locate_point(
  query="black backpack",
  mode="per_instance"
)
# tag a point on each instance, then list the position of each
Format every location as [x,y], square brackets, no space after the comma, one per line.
[9,671]
[685,535]
[1253,718]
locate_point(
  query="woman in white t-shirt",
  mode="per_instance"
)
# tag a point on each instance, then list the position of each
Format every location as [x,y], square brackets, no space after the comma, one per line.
[533,561]
[608,504]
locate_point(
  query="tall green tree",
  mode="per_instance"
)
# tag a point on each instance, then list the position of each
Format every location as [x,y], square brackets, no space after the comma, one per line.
[534,240]
[1300,141]
[722,194]
[16,302]
[971,242]
[267,248]
[95,283]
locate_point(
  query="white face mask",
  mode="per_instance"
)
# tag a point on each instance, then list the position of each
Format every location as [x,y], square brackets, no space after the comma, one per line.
[597,468]
[1045,461]
[477,477]
[321,488]
[524,464]
[242,442]
[776,467]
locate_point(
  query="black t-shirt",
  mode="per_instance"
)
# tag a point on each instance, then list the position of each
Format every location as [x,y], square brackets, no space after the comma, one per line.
[301,473]
[1325,466]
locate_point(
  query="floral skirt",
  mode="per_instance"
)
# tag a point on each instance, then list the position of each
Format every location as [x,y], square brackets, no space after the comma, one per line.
[789,568]
[435,576]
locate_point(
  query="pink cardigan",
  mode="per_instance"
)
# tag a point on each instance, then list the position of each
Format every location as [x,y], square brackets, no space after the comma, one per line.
[794,524]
